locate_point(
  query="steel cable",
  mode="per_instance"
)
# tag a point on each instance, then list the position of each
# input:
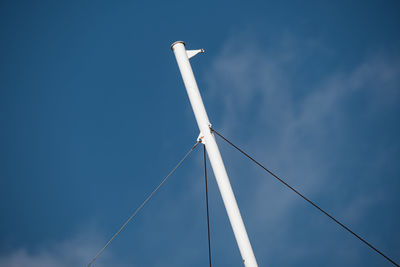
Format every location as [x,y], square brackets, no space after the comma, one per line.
[306,199]
[208,216]
[143,204]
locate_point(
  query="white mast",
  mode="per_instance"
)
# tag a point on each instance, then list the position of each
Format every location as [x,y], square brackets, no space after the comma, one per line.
[207,138]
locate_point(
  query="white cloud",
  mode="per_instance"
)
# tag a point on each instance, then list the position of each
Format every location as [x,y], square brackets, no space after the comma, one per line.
[264,107]
[77,251]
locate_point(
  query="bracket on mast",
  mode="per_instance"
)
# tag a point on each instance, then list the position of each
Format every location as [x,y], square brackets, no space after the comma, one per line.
[192,53]
[200,138]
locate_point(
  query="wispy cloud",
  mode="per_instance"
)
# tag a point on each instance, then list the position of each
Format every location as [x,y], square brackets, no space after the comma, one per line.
[305,127]
[77,251]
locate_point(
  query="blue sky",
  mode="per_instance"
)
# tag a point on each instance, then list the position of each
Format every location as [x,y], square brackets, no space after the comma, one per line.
[94,114]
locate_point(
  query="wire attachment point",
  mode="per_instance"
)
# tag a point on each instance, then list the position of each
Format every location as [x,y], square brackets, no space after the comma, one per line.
[200,138]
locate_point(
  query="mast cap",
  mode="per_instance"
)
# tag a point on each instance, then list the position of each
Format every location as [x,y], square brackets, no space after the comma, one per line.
[182,42]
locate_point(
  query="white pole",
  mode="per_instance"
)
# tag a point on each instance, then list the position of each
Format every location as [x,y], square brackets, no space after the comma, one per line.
[207,137]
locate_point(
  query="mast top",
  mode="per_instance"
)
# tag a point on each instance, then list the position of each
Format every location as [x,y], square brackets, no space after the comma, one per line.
[177,42]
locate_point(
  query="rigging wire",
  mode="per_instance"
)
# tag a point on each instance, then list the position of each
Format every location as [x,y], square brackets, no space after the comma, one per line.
[208,216]
[305,198]
[143,204]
